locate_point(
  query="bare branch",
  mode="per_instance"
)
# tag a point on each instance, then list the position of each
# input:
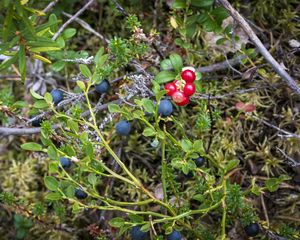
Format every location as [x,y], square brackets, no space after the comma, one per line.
[50,5]
[261,48]
[222,65]
[71,19]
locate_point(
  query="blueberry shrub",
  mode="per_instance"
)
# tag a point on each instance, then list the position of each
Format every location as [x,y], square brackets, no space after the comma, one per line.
[147,120]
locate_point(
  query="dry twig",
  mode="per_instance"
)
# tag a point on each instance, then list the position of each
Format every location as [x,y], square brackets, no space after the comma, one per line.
[260,47]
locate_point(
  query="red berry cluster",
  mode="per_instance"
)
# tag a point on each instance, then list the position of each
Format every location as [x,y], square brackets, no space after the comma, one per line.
[181,90]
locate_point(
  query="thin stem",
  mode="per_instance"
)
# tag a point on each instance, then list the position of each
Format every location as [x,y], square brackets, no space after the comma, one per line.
[164,169]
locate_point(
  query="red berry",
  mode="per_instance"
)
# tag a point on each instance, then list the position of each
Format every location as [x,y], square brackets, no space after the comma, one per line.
[171,88]
[178,97]
[189,89]
[188,76]
[183,103]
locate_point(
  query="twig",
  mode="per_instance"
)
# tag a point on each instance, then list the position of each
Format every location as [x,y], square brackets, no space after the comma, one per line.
[6,131]
[87,27]
[286,133]
[292,162]
[50,5]
[71,19]
[222,65]
[242,91]
[261,48]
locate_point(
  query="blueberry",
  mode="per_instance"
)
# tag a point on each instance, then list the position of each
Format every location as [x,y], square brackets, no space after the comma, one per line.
[165,108]
[175,235]
[137,234]
[123,128]
[37,122]
[252,229]
[57,96]
[80,194]
[65,162]
[189,175]
[102,87]
[200,161]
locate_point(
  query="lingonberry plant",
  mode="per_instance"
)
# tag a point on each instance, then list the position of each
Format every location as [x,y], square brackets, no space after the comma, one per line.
[98,130]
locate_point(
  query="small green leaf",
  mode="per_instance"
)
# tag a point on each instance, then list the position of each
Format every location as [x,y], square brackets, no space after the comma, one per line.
[92,178]
[117,222]
[85,70]
[22,62]
[53,196]
[166,64]
[102,59]
[186,145]
[35,95]
[202,3]
[165,76]
[51,183]
[44,49]
[73,125]
[231,165]
[179,4]
[48,98]
[40,104]
[32,146]
[69,32]
[145,227]
[148,105]
[176,62]
[148,132]
[114,108]
[81,85]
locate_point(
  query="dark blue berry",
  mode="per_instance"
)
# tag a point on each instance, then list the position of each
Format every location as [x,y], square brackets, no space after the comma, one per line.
[189,174]
[200,161]
[252,229]
[80,194]
[37,122]
[123,128]
[57,96]
[102,87]
[65,162]
[137,234]
[175,235]
[165,108]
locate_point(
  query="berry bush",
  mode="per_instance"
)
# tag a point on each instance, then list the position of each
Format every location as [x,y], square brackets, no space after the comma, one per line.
[148,120]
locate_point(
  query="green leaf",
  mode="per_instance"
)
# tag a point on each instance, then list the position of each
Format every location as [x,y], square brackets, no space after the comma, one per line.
[117,222]
[81,85]
[32,146]
[145,227]
[6,63]
[135,218]
[272,184]
[44,49]
[166,64]
[148,132]
[69,32]
[85,70]
[92,178]
[186,145]
[53,196]
[114,108]
[40,104]
[148,105]
[51,183]
[165,76]
[176,62]
[202,3]
[35,95]
[73,125]
[101,60]
[179,4]
[22,62]
[231,165]
[58,66]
